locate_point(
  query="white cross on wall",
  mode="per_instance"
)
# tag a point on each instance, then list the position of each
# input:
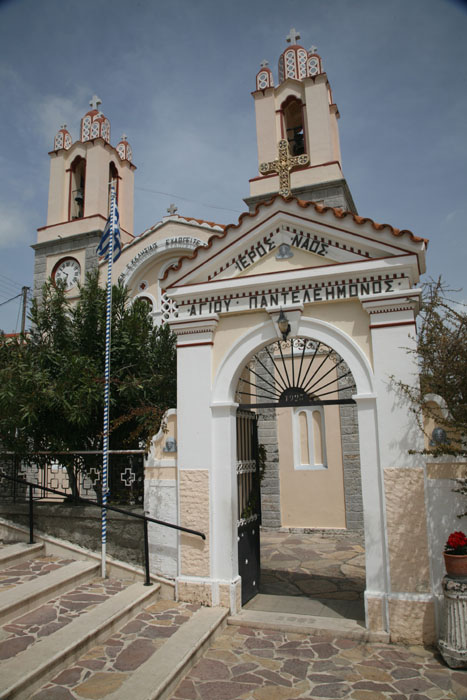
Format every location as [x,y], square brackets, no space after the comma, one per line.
[313,49]
[172,209]
[264,63]
[124,137]
[95,102]
[293,36]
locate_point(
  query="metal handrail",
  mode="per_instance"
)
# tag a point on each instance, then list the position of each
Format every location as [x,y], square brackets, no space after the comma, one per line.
[145,518]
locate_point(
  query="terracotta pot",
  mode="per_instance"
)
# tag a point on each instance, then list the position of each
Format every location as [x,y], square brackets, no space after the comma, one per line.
[456,564]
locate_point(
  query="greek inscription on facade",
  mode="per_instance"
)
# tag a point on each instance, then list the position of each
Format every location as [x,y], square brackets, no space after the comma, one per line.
[300,296]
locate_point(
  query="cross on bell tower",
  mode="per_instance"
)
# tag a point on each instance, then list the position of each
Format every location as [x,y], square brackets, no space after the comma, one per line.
[283,166]
[293,36]
[95,102]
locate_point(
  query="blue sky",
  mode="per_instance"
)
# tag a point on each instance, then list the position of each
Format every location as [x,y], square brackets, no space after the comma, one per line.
[176,77]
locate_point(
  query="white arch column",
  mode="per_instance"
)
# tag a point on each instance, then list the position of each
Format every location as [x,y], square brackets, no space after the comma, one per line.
[194,425]
[410,600]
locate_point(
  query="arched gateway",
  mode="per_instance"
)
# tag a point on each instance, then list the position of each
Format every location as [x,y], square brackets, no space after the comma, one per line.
[358,301]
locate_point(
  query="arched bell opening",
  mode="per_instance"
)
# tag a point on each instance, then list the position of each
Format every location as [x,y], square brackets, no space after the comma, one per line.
[294,125]
[113,183]
[77,188]
[305,486]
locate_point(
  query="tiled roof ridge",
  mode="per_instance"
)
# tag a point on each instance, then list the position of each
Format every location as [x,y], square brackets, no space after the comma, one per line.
[201,221]
[320,208]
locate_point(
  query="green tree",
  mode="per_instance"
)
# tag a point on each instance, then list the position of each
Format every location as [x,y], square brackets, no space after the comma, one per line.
[52,380]
[441,355]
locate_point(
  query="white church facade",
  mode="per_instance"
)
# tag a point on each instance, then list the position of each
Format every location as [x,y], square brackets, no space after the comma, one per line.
[300,313]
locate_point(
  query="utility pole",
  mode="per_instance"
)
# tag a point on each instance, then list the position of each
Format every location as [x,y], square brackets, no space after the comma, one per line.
[25,291]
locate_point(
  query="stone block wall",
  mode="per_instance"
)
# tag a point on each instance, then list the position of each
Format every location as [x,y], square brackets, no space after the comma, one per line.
[82,525]
[267,436]
[66,246]
[350,453]
[270,486]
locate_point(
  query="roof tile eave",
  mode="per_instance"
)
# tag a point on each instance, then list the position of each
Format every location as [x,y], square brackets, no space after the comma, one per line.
[319,208]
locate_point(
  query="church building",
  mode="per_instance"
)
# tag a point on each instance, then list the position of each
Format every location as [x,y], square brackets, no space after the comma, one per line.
[290,324]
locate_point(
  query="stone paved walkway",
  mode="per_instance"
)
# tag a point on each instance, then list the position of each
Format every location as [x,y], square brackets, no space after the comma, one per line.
[321,567]
[23,631]
[28,570]
[249,664]
[104,668]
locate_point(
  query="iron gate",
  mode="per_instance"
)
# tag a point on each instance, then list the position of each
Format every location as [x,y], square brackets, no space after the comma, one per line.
[249,503]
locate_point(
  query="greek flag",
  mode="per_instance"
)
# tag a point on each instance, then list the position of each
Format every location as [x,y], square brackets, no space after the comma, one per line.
[112,226]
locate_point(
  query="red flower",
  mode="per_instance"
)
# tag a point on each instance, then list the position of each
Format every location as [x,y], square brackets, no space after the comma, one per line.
[456,544]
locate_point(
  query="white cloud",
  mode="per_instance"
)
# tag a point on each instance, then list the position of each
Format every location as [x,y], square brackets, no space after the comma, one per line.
[16,226]
[52,111]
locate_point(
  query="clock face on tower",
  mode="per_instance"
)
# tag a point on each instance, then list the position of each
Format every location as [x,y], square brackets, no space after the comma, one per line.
[67,272]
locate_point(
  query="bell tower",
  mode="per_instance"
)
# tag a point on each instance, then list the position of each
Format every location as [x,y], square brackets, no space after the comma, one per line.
[297,132]
[81,173]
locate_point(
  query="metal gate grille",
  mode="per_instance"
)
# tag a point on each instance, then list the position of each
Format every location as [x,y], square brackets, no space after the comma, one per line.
[294,372]
[249,503]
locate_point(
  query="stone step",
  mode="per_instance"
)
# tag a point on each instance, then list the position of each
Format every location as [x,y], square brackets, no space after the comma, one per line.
[37,624]
[306,624]
[31,594]
[20,551]
[27,671]
[145,659]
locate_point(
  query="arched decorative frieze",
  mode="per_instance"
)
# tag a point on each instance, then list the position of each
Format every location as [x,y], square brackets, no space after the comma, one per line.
[264,78]
[179,244]
[62,139]
[314,65]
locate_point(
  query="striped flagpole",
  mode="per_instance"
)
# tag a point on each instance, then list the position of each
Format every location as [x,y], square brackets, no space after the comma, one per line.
[108,325]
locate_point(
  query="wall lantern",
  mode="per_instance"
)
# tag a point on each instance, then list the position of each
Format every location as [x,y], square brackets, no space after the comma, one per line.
[439,437]
[283,325]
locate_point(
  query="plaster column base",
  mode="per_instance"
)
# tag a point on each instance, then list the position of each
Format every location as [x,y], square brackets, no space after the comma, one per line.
[453,642]
[411,619]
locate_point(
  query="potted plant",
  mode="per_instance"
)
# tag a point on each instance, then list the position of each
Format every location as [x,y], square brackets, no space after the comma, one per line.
[455,554]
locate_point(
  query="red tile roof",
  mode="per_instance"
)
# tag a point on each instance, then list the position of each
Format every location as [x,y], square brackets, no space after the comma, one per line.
[338,213]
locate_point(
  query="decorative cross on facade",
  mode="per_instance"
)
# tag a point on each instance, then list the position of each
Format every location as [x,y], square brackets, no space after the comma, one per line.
[283,165]
[124,137]
[293,36]
[313,49]
[264,63]
[172,209]
[128,476]
[95,102]
[63,126]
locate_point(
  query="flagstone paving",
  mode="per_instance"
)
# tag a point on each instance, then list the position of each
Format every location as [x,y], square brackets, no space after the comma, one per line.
[58,612]
[329,568]
[104,668]
[24,571]
[249,664]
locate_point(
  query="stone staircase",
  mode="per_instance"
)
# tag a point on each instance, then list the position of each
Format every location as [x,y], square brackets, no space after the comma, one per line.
[67,633]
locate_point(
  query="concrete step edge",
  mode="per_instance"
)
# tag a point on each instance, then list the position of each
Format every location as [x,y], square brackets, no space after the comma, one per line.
[162,672]
[307,624]
[20,551]
[26,672]
[31,594]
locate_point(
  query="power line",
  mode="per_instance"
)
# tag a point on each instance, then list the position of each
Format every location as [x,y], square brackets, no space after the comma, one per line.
[7,286]
[9,281]
[185,199]
[12,299]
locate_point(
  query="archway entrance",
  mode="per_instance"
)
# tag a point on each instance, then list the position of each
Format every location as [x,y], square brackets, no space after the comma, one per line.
[303,482]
